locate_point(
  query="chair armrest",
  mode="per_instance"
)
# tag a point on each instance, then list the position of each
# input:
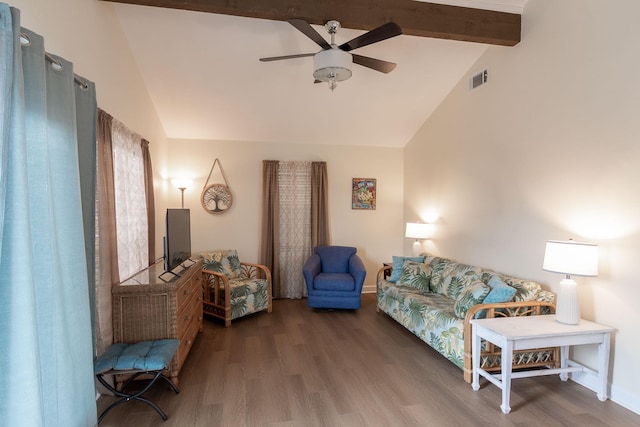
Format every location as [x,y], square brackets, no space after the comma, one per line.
[382,271]
[257,271]
[311,268]
[357,270]
[216,279]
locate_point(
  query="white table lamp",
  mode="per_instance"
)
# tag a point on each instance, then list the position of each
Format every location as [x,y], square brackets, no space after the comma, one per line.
[569,257]
[418,230]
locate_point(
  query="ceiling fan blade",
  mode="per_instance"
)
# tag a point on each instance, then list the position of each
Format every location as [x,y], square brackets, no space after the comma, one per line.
[383,32]
[278,58]
[373,63]
[305,28]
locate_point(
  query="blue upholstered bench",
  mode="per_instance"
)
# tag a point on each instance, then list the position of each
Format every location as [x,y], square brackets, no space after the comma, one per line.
[145,357]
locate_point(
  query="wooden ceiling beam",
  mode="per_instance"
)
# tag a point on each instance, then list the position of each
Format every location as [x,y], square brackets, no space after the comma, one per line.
[415,17]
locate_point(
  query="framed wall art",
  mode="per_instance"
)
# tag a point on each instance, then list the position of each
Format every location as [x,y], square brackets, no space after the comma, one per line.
[363,193]
[216,198]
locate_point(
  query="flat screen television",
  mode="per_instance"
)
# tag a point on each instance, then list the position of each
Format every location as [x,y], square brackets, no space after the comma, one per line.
[177,243]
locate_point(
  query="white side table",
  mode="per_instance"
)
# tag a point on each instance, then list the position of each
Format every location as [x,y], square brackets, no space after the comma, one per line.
[531,332]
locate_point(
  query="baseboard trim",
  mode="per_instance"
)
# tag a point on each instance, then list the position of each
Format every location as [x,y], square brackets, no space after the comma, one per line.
[620,396]
[369,289]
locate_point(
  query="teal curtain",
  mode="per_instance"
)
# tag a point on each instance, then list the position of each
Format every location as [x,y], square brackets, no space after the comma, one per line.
[46,356]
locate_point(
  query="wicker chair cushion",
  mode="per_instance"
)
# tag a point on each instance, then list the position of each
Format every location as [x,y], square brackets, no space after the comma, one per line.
[248,296]
[225,261]
[244,287]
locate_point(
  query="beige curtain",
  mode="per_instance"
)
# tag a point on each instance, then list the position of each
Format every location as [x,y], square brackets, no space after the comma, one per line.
[106,248]
[150,199]
[270,236]
[295,220]
[320,229]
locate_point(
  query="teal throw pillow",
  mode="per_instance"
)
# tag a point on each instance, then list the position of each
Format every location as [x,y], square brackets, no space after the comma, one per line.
[416,275]
[397,266]
[500,292]
[470,296]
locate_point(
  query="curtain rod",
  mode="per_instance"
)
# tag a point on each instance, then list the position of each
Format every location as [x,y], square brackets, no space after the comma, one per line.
[57,65]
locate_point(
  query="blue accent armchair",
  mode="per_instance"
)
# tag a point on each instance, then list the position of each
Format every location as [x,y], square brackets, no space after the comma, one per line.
[334,276]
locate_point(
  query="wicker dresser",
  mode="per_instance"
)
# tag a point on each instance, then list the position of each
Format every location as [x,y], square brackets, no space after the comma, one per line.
[146,307]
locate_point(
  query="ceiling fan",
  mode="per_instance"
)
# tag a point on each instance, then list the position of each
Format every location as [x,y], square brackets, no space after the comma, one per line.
[333,63]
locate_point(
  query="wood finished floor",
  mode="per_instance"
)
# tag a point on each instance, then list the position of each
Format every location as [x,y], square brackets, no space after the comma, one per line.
[303,367]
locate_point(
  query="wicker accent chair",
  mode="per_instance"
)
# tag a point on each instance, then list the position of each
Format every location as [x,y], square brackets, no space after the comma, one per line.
[233,289]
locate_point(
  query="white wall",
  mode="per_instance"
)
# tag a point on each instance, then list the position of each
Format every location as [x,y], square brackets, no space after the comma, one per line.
[377,234]
[88,33]
[549,149]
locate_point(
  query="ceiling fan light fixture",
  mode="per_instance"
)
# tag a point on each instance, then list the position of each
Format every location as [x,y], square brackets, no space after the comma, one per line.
[332,66]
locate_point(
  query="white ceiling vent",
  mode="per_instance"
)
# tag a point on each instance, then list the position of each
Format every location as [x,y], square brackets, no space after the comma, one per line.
[478,79]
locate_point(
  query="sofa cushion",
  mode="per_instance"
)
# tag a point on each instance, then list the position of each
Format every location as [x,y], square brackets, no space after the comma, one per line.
[416,275]
[526,290]
[454,277]
[470,296]
[397,266]
[334,282]
[438,266]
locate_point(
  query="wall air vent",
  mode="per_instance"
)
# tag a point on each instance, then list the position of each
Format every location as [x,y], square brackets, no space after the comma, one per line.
[478,79]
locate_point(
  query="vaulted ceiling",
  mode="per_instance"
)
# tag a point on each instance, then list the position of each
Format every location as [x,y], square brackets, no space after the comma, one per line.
[200,62]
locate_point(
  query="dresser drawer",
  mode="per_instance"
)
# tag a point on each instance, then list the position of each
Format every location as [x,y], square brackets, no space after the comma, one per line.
[187,341]
[190,311]
[189,288]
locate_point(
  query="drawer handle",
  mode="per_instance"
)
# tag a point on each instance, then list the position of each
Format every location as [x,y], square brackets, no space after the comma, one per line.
[188,317]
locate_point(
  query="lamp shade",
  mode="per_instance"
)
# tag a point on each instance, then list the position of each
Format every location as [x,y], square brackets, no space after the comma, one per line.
[418,230]
[181,183]
[569,257]
[332,65]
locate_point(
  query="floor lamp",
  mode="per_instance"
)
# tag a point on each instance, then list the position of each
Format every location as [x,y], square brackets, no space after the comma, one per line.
[181,184]
[569,257]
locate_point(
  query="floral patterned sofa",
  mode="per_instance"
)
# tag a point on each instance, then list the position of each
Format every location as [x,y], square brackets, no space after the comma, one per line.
[435,298]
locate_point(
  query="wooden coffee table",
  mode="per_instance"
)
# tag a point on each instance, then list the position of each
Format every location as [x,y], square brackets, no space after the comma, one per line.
[531,332]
